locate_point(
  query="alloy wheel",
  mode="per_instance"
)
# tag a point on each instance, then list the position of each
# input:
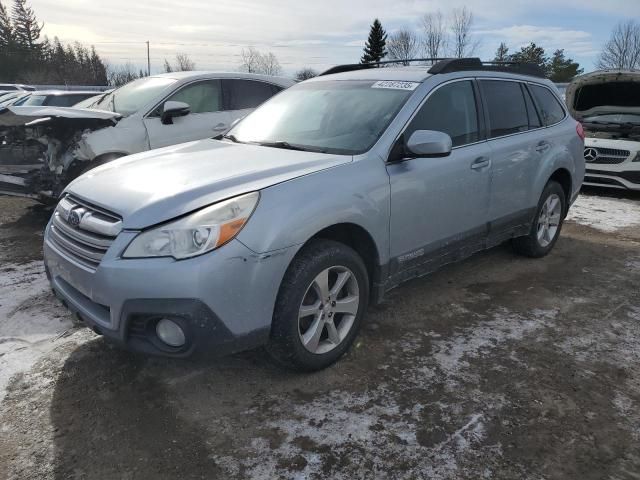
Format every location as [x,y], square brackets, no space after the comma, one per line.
[328,309]
[549,220]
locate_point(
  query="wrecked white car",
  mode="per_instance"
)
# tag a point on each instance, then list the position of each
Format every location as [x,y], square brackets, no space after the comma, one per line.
[43,148]
[607,103]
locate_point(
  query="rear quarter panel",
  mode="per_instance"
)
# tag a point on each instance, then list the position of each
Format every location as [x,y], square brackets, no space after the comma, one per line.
[566,152]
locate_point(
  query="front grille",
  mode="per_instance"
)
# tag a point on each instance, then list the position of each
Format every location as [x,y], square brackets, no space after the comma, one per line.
[83,231]
[605,155]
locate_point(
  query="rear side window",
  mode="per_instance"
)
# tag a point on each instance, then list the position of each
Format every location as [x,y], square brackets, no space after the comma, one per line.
[450,109]
[506,106]
[550,109]
[242,94]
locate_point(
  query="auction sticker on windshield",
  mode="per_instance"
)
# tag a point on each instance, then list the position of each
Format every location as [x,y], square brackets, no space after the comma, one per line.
[395,85]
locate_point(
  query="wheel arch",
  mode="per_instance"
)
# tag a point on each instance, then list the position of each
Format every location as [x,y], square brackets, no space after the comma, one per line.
[563,177]
[359,239]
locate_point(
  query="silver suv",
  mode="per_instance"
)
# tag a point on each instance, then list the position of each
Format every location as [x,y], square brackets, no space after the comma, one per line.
[333,192]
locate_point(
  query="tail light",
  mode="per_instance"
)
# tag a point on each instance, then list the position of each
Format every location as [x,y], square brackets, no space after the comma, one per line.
[580,131]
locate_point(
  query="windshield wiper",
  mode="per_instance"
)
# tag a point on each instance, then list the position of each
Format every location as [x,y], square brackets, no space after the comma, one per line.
[227,136]
[289,146]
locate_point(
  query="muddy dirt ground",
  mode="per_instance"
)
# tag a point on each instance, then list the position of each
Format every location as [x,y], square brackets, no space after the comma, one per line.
[499,367]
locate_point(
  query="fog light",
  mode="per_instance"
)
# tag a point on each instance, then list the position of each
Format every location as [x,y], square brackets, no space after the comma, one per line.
[170,333]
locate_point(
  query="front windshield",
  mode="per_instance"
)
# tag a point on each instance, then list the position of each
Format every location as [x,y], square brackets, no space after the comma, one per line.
[342,117]
[614,118]
[34,101]
[131,97]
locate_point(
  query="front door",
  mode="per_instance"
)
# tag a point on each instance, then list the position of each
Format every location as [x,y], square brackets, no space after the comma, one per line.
[439,206]
[206,119]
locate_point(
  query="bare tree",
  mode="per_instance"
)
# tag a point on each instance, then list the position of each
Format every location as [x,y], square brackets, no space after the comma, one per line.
[305,74]
[461,23]
[269,64]
[622,50]
[403,45]
[252,61]
[184,63]
[435,34]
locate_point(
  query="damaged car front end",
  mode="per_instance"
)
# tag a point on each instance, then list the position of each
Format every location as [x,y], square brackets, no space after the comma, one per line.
[607,103]
[43,148]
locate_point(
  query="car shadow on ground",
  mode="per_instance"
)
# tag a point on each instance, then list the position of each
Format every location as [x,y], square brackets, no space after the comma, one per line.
[114,417]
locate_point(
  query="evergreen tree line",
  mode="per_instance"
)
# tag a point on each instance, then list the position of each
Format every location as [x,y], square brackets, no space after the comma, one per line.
[26,58]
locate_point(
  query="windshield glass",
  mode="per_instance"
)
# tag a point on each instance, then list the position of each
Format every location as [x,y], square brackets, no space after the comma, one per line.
[131,97]
[34,101]
[342,117]
[614,118]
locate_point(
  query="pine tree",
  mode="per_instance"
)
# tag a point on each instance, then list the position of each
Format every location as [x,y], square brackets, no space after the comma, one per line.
[563,69]
[502,53]
[6,30]
[26,28]
[374,48]
[532,54]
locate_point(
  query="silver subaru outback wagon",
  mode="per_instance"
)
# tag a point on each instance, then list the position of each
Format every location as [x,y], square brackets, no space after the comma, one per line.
[281,232]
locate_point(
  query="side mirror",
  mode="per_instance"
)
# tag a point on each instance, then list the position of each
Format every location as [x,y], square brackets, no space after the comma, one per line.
[429,143]
[173,109]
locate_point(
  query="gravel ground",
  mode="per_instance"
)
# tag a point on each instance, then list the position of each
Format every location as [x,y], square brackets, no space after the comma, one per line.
[498,367]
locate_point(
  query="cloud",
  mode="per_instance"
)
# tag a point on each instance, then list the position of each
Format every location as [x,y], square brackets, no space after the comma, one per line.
[311,33]
[577,42]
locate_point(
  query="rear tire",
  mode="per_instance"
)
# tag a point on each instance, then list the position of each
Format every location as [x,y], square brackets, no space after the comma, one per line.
[320,306]
[546,225]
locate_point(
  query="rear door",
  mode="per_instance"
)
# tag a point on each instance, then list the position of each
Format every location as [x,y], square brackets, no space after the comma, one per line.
[206,119]
[242,96]
[439,206]
[515,135]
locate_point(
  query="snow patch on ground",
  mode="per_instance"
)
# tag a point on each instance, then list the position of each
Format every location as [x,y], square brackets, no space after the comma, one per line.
[31,322]
[605,214]
[372,427]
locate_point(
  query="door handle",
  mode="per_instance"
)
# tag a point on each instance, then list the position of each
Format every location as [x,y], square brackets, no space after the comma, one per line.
[219,127]
[480,162]
[543,147]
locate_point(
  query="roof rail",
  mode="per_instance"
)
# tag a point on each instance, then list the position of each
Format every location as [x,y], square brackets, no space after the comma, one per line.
[363,66]
[448,65]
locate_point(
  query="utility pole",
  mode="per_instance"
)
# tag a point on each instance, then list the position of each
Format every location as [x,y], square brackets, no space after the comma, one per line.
[148,61]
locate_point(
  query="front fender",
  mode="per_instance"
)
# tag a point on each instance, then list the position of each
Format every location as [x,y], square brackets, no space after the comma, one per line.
[125,138]
[292,212]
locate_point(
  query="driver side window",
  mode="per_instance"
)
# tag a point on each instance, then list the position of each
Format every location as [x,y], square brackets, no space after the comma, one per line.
[202,97]
[450,109]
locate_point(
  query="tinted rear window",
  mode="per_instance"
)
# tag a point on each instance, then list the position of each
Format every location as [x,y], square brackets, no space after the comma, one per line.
[506,107]
[64,100]
[241,94]
[549,107]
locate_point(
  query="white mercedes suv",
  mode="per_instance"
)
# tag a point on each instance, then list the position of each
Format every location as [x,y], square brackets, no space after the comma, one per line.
[607,102]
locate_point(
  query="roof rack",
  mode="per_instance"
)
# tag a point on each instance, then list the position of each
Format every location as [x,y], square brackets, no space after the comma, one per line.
[448,65]
[363,66]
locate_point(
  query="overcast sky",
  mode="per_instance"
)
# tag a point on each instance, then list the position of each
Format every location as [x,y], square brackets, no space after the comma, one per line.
[317,34]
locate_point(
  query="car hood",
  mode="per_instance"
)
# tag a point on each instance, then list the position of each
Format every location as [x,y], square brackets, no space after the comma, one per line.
[603,92]
[17,116]
[151,187]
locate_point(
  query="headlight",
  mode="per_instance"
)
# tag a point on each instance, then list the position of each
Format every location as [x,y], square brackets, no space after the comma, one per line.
[197,233]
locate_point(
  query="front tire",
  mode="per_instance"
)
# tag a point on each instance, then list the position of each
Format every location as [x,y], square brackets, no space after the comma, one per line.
[320,306]
[547,223]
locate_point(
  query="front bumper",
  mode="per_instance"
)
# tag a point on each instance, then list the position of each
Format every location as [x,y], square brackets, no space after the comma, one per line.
[625,176]
[224,300]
